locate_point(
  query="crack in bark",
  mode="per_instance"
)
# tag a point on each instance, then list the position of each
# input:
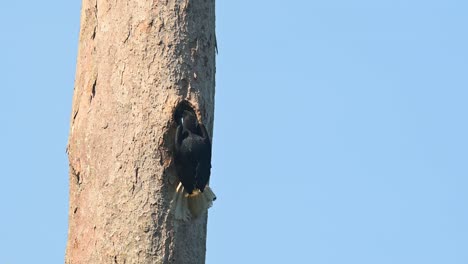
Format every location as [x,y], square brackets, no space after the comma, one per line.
[76,113]
[76,174]
[136,175]
[121,74]
[93,90]
[136,180]
[93,35]
[128,35]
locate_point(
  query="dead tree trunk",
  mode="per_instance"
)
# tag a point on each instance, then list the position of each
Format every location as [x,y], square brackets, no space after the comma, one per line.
[137,60]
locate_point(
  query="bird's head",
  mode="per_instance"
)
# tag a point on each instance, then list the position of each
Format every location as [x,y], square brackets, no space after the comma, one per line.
[189,121]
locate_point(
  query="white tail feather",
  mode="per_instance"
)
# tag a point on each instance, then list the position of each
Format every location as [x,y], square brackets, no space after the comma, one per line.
[180,205]
[195,204]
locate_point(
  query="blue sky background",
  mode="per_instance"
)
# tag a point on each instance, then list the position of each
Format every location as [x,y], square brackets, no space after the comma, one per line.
[340,131]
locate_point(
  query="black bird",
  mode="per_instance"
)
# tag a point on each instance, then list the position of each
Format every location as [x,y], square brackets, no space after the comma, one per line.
[192,153]
[192,157]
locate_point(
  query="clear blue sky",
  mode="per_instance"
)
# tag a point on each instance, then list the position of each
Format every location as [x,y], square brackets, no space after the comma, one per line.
[340,131]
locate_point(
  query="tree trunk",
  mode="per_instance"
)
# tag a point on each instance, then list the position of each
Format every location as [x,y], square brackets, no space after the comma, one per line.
[136,61]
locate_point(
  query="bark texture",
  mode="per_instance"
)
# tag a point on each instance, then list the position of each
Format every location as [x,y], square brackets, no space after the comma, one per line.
[137,60]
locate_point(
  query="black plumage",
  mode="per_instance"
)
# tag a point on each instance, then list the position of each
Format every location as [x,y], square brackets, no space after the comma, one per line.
[192,152]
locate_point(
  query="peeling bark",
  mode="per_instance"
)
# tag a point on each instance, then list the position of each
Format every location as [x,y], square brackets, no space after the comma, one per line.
[136,61]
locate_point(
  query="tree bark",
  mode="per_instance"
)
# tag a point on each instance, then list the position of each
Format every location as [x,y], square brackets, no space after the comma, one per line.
[137,60]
